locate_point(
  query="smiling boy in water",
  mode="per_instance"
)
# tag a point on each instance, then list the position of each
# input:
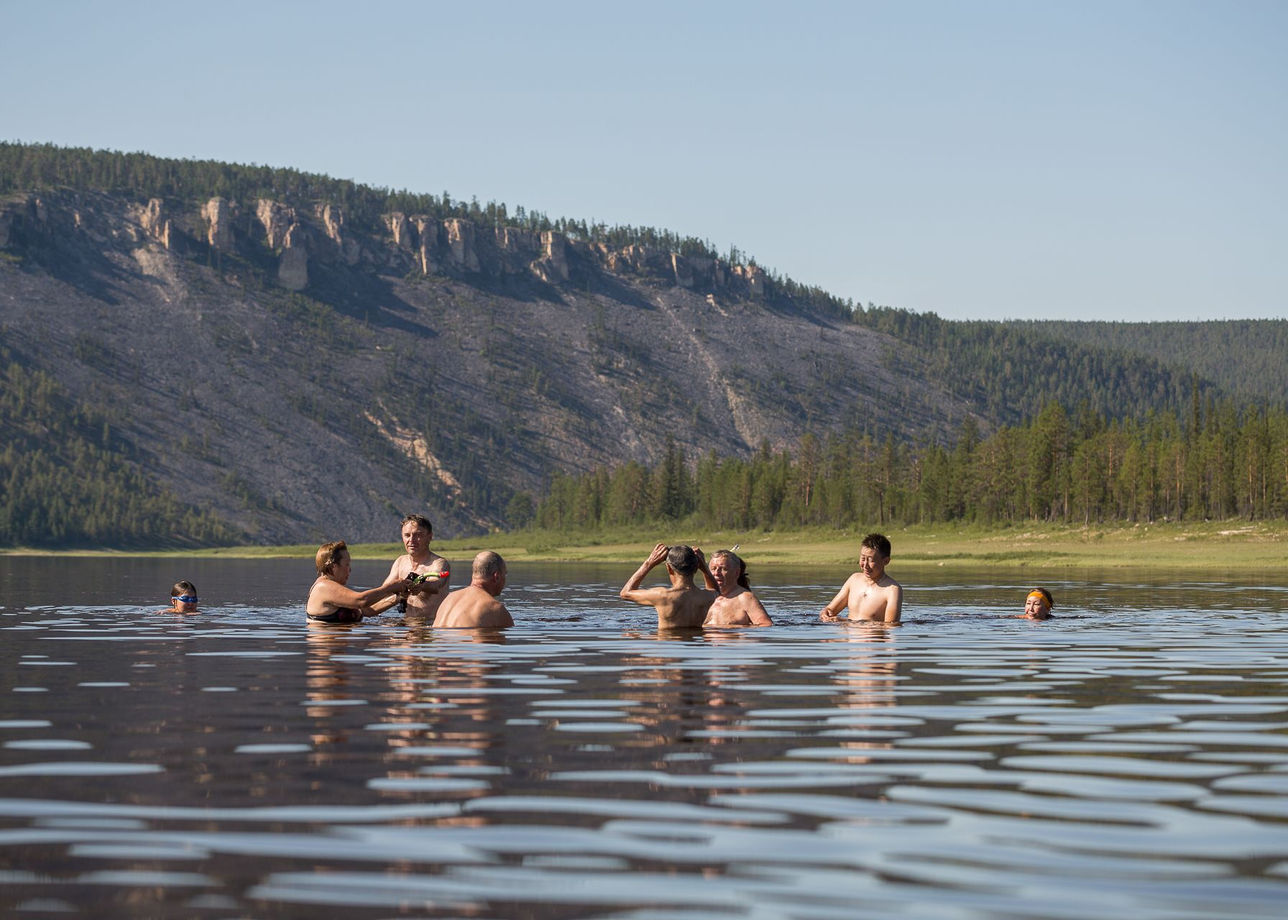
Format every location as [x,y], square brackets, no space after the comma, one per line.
[871,595]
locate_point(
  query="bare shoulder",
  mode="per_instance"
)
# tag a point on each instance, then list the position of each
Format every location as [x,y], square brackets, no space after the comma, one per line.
[496,614]
[649,596]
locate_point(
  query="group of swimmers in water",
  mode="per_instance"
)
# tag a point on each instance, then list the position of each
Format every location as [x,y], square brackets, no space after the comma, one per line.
[418,579]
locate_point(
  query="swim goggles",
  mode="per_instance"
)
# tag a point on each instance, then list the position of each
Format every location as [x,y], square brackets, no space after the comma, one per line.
[185,598]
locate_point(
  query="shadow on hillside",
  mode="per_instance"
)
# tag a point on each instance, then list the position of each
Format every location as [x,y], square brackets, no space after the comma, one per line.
[603,284]
[84,268]
[367,298]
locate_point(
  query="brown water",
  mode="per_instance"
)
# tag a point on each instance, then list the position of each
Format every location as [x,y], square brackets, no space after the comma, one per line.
[1126,760]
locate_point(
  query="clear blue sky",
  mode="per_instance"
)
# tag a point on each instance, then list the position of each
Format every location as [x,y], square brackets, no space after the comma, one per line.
[985,160]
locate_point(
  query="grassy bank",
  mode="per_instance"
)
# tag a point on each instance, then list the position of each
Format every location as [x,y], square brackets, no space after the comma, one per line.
[1206,547]
[1203,547]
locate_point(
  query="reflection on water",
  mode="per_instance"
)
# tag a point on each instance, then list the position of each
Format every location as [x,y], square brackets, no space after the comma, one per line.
[1128,759]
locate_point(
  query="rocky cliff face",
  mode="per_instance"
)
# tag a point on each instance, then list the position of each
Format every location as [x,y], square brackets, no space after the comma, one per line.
[309,379]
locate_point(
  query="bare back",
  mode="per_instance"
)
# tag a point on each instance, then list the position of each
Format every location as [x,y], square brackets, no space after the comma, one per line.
[472,607]
[683,607]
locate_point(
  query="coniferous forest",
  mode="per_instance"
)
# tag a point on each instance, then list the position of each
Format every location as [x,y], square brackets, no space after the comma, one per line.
[66,480]
[1216,462]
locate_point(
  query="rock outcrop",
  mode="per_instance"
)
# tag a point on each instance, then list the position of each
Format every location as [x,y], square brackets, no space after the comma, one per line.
[682,271]
[400,228]
[333,225]
[293,268]
[427,234]
[461,253]
[754,277]
[218,214]
[277,220]
[552,267]
[517,248]
[156,224]
[305,240]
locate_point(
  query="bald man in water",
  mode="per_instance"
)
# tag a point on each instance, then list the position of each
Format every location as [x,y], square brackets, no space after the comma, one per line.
[475,605]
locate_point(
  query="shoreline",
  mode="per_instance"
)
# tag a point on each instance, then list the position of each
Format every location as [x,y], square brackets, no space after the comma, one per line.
[1206,547]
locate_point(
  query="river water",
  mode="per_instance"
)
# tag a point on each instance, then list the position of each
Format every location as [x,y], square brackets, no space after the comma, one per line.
[1128,759]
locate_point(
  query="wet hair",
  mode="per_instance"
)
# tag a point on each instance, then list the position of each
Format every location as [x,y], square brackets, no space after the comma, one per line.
[742,566]
[683,559]
[488,564]
[878,543]
[1046,595]
[183,587]
[328,555]
[419,520]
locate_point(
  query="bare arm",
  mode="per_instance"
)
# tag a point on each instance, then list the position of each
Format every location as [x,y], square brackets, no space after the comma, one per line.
[376,608]
[831,612]
[756,611]
[631,590]
[431,586]
[326,594]
[893,605]
[706,571]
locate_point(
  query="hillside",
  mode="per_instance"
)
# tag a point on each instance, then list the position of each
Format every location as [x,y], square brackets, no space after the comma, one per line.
[295,358]
[1248,358]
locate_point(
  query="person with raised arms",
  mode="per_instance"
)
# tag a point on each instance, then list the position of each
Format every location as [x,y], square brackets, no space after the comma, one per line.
[680,605]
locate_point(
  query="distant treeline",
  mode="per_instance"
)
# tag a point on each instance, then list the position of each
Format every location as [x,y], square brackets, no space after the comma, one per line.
[1244,356]
[1010,371]
[1214,462]
[66,481]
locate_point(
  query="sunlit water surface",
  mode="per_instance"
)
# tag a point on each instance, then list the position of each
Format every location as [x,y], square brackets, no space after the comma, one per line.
[1126,760]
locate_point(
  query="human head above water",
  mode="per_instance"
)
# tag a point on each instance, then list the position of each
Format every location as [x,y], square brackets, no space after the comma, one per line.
[329,554]
[419,520]
[879,543]
[1038,602]
[682,559]
[183,596]
[735,563]
[487,564]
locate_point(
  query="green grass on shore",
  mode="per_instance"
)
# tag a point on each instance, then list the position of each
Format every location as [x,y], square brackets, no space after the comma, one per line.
[1202,547]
